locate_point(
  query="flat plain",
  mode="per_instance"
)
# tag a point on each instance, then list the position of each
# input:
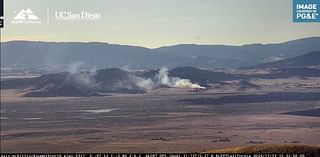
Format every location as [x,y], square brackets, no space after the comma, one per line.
[163,120]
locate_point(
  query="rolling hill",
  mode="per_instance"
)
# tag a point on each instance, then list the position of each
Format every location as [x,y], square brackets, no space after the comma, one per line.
[75,84]
[55,54]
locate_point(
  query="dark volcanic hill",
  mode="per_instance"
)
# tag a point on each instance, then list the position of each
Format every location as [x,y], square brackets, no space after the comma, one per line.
[110,81]
[101,82]
[76,84]
[309,59]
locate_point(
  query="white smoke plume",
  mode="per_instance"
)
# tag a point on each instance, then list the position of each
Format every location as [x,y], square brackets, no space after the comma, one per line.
[145,84]
[80,76]
[163,79]
[75,67]
[160,79]
[86,79]
[185,83]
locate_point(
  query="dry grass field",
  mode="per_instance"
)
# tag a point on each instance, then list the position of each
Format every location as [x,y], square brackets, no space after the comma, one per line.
[164,120]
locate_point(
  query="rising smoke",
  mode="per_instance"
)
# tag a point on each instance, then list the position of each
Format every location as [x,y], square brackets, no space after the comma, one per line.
[80,77]
[86,79]
[163,79]
[143,83]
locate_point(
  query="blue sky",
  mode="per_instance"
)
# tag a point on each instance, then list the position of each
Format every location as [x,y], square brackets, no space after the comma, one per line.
[155,23]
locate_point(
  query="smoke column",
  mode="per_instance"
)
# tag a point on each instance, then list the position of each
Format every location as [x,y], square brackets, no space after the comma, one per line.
[164,79]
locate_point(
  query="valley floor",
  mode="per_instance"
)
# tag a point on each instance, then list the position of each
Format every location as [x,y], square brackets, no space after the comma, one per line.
[164,120]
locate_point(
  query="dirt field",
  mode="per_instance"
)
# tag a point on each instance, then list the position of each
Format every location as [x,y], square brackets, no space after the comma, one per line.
[165,120]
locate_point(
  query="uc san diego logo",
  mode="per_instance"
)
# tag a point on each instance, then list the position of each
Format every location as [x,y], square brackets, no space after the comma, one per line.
[26,16]
[306,11]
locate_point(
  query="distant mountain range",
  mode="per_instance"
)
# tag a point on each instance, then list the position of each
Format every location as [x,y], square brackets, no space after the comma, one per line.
[309,59]
[102,55]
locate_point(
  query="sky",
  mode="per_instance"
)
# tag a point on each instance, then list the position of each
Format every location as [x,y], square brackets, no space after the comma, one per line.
[156,23]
